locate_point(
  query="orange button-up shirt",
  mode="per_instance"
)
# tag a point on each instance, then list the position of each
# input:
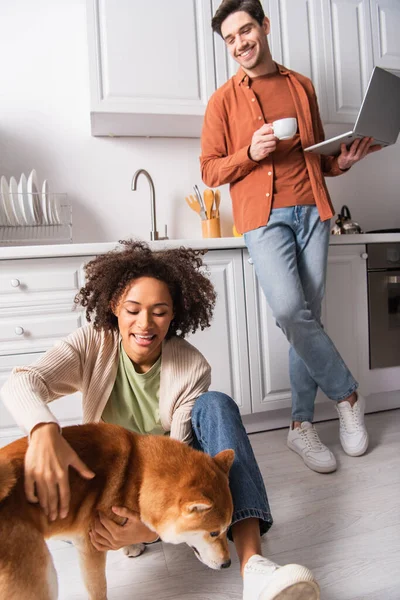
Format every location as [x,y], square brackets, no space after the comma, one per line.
[233,115]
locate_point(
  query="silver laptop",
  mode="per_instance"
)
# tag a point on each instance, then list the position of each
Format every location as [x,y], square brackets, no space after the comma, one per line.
[378,117]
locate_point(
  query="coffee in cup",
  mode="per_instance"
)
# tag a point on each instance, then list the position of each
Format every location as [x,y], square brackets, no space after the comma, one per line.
[285,129]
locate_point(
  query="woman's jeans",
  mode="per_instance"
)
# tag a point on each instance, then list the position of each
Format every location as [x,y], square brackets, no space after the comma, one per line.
[290,258]
[217,426]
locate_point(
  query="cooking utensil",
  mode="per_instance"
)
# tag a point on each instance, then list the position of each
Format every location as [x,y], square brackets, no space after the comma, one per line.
[193,203]
[200,199]
[209,202]
[344,224]
[217,200]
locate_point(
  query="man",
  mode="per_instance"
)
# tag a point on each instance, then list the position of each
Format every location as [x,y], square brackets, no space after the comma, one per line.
[282,206]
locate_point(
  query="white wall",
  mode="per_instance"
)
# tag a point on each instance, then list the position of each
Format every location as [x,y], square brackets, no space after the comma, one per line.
[45,124]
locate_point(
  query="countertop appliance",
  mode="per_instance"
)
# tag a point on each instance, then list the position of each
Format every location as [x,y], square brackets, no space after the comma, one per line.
[383,272]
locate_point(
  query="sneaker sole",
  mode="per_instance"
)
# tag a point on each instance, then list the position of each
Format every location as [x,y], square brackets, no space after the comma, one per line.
[312,466]
[292,582]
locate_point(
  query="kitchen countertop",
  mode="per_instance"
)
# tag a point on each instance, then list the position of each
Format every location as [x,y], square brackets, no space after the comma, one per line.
[89,249]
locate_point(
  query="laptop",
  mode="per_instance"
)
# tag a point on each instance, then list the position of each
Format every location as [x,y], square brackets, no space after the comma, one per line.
[378,117]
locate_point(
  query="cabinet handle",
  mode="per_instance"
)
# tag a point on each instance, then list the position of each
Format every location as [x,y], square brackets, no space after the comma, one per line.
[364,256]
[250,261]
[15,282]
[19,330]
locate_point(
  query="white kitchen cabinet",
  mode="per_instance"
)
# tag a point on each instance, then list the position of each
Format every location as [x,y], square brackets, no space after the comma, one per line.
[159,83]
[224,344]
[348,55]
[151,66]
[385,17]
[268,347]
[37,309]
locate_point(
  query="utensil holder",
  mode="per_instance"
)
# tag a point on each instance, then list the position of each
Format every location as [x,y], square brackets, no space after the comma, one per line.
[211,228]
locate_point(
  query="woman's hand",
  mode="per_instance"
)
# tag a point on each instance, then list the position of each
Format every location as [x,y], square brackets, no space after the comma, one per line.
[108,535]
[359,149]
[46,470]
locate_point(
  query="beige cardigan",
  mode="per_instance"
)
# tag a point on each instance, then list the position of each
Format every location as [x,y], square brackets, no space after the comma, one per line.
[87,361]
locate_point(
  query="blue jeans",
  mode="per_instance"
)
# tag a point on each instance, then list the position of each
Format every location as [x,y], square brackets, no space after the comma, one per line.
[217,426]
[290,258]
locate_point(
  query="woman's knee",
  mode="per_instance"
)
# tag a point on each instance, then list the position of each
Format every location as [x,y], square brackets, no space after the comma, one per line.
[214,402]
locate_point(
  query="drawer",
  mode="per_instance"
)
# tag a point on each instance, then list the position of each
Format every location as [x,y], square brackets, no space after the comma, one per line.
[26,332]
[40,281]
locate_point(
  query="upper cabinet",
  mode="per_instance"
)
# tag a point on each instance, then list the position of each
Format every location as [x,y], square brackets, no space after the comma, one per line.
[385,17]
[151,66]
[348,52]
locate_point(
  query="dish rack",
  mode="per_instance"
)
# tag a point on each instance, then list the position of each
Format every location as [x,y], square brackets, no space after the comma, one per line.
[58,231]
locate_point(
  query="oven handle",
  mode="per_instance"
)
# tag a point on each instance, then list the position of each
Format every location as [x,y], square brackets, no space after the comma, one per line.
[393,278]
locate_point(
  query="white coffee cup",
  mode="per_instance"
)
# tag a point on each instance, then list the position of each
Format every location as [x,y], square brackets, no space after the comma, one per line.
[285,129]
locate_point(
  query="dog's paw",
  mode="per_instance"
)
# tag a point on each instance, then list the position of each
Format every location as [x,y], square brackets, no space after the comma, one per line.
[134,550]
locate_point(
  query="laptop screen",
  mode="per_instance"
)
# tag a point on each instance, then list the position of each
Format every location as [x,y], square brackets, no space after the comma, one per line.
[379,115]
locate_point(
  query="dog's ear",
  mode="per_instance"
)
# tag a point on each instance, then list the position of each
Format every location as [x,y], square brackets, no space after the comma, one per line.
[225,459]
[201,504]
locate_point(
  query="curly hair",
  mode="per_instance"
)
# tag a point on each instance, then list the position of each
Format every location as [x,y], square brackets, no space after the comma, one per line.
[109,275]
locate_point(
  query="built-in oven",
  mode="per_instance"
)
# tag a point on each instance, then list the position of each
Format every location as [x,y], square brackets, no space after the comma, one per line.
[384,304]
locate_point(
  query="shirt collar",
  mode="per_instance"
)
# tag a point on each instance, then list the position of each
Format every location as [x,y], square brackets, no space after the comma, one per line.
[242,77]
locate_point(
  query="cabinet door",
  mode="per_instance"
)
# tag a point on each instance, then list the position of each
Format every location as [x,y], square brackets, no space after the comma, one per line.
[150,62]
[385,15]
[349,63]
[344,323]
[224,344]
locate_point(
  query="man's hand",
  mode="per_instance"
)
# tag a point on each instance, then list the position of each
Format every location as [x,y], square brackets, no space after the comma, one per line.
[108,535]
[359,149]
[263,143]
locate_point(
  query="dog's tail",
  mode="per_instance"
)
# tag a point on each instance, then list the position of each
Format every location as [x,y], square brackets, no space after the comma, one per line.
[8,478]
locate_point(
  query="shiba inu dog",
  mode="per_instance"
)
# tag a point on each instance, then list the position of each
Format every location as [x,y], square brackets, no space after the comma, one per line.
[180,493]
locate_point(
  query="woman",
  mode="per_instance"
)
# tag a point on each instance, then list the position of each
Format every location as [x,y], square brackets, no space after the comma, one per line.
[134,368]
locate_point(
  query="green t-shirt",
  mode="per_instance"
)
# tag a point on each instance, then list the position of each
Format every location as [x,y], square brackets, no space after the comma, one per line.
[134,399]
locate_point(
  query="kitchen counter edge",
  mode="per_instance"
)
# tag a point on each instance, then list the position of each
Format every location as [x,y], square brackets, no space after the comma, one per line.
[94,248]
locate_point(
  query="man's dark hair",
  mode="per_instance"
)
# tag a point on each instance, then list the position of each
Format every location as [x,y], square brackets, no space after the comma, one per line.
[227,7]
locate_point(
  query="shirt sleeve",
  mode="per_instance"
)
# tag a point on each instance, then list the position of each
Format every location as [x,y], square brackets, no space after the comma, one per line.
[30,388]
[217,166]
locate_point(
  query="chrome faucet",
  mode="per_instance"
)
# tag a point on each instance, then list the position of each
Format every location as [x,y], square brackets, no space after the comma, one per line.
[153,233]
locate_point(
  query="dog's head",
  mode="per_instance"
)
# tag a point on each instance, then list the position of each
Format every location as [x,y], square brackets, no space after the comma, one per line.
[199,509]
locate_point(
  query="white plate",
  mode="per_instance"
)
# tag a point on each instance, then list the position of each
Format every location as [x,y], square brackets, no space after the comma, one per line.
[47,203]
[33,192]
[16,202]
[6,214]
[57,208]
[53,204]
[26,201]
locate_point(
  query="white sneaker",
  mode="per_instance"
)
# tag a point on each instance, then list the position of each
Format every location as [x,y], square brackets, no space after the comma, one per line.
[305,441]
[265,580]
[353,434]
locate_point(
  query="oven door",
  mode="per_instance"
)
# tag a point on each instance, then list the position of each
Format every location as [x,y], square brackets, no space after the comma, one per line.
[384,318]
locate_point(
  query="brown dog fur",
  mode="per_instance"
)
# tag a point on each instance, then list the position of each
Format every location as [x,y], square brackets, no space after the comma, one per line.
[182,494]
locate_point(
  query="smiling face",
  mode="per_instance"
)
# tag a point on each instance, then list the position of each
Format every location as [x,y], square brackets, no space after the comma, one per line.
[144,313]
[247,43]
